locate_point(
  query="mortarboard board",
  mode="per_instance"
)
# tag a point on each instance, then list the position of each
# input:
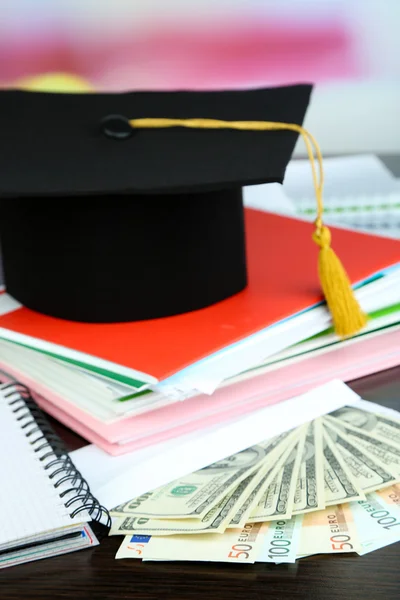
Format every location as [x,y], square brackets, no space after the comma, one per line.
[123,207]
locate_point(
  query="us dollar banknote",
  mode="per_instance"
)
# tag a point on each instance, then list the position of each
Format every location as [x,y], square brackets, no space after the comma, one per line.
[215,521]
[277,500]
[264,478]
[193,496]
[309,493]
[340,485]
[369,473]
[387,453]
[211,522]
[387,428]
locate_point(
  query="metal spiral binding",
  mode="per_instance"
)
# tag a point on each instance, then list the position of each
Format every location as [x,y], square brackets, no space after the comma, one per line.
[54,454]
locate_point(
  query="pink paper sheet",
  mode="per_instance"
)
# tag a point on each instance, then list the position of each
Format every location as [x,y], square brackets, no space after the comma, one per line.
[345,362]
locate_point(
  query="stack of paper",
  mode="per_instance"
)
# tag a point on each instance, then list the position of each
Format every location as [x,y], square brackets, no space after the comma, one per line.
[122,386]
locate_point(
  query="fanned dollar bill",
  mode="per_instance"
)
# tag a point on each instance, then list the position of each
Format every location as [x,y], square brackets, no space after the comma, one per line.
[211,521]
[193,496]
[215,521]
[369,473]
[264,478]
[340,485]
[387,428]
[387,453]
[309,493]
[277,500]
[236,546]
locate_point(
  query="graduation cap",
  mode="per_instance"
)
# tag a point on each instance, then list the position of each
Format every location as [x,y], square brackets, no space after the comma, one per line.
[124,207]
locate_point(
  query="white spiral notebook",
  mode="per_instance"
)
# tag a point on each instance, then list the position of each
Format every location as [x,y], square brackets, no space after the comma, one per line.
[46,507]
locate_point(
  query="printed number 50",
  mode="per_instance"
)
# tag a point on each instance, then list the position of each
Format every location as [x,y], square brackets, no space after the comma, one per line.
[238,550]
[343,541]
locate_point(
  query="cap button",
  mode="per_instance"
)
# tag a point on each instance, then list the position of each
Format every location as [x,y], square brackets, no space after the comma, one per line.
[116,127]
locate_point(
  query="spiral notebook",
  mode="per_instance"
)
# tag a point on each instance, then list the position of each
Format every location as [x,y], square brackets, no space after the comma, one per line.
[46,507]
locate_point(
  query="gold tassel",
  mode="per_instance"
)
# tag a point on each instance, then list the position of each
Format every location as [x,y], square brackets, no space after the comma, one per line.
[347,316]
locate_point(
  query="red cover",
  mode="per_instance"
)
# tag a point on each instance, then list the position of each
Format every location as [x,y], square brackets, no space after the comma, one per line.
[282,269]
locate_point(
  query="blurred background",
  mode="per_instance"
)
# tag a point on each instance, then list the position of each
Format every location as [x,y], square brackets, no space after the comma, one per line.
[349,48]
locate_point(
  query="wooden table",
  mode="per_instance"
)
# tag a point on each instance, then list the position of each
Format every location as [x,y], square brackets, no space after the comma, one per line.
[96,575]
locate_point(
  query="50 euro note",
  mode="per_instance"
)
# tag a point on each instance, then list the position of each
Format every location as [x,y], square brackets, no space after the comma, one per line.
[368,472]
[194,495]
[236,546]
[329,531]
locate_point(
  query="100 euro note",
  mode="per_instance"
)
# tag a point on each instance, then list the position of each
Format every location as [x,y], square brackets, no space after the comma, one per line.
[378,519]
[281,541]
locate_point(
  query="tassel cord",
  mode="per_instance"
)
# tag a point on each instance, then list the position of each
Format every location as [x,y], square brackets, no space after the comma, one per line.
[347,315]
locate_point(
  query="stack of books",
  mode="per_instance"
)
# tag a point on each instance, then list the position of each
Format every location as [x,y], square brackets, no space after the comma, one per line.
[126,386]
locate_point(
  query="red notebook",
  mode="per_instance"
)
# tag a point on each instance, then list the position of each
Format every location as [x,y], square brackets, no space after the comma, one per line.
[282,273]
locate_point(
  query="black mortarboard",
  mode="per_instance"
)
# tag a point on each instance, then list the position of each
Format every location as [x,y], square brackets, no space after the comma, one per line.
[107,217]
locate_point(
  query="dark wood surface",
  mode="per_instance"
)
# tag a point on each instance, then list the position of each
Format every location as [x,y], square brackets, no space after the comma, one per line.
[95,574]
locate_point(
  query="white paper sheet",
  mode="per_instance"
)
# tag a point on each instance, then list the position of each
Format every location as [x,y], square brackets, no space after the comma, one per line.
[358,176]
[114,480]
[204,376]
[269,197]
